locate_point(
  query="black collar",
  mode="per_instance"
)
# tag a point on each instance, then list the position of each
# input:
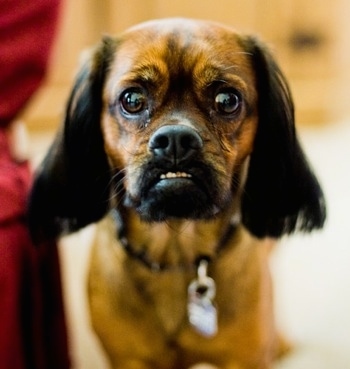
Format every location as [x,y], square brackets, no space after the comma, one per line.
[143,257]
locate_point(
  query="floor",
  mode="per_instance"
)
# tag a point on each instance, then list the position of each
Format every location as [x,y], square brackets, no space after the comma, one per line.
[311,273]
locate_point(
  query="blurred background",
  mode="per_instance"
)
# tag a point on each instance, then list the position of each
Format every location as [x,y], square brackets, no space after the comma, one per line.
[310,39]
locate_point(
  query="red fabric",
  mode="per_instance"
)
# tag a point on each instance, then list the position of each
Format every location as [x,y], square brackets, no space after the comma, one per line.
[27,29]
[33,331]
[14,183]
[32,322]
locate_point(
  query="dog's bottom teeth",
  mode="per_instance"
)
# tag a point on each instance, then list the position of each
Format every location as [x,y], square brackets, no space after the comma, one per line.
[175,175]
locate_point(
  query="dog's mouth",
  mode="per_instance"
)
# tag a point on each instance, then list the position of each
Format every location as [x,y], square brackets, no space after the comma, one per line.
[175,184]
[179,179]
[187,193]
[174,175]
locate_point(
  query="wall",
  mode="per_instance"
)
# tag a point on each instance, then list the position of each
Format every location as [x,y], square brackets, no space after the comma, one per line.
[307,36]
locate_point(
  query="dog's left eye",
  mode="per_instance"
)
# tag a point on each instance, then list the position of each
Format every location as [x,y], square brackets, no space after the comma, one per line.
[228,102]
[133,100]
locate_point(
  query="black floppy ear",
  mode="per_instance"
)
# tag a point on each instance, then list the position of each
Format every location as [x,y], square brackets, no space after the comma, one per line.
[281,194]
[71,188]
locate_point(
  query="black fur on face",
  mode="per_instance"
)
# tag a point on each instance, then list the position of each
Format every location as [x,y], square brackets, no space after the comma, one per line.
[281,194]
[71,188]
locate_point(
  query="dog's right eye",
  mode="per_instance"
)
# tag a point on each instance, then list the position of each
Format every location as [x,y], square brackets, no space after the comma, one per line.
[228,102]
[133,101]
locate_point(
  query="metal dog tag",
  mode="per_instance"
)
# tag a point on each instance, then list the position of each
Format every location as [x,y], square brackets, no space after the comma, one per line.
[202,313]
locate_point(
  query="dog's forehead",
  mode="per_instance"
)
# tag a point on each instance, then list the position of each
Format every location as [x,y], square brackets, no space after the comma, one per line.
[174,35]
[183,28]
[180,43]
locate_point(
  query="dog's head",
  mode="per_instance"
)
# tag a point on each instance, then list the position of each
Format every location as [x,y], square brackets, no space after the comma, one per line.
[178,119]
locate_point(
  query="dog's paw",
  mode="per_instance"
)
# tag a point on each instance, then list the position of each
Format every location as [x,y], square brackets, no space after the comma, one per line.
[284,346]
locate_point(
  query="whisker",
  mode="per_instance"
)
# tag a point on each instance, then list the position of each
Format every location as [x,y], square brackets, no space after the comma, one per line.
[116,186]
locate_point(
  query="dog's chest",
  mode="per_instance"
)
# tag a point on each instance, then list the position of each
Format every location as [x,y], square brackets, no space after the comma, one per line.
[165,296]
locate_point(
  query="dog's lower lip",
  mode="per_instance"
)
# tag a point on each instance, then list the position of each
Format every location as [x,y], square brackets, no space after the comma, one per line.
[170,175]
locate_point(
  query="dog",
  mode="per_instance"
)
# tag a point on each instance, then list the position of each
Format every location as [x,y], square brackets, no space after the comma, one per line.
[179,141]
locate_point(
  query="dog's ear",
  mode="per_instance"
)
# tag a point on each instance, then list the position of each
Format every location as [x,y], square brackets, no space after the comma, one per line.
[281,194]
[71,188]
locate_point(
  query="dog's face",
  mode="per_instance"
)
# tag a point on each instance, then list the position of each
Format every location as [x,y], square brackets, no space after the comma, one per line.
[178,119]
[180,116]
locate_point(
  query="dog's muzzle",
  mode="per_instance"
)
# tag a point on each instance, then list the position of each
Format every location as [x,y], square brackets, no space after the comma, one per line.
[176,182]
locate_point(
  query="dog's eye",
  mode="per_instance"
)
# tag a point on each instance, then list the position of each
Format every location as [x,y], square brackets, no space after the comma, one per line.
[133,101]
[227,102]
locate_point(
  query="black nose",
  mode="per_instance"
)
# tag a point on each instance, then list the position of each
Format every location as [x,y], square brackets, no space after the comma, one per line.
[175,143]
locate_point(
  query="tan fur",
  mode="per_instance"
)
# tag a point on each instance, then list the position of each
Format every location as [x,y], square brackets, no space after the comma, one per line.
[140,315]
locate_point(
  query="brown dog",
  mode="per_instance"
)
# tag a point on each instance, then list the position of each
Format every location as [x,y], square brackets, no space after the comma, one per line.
[183,131]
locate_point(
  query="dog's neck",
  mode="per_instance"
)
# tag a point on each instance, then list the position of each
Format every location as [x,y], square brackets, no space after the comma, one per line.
[176,243]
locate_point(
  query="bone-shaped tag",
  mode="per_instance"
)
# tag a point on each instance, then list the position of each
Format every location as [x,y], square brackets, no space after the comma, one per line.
[202,313]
